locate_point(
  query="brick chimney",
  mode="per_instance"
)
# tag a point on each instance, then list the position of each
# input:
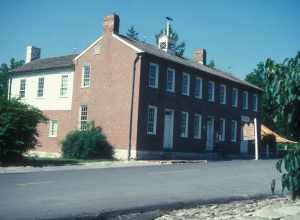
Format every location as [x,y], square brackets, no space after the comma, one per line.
[199,56]
[32,53]
[111,24]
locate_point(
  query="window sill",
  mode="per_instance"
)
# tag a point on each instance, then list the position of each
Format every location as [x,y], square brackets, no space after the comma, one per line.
[63,97]
[151,134]
[84,87]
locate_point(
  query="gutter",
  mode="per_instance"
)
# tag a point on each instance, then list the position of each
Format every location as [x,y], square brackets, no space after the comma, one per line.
[138,55]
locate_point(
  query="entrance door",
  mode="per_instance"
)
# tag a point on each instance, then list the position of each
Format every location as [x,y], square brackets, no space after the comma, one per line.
[210,134]
[168,129]
[244,143]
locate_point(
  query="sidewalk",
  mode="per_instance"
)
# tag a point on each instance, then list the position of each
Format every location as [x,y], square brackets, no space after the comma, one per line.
[93,165]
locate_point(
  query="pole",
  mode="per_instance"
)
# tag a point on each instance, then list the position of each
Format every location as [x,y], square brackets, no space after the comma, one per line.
[256,138]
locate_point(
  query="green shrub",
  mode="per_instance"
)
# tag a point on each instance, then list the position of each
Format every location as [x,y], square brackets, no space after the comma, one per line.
[290,179]
[18,128]
[88,144]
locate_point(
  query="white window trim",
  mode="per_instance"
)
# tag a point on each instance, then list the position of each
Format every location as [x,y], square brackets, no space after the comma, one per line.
[188,84]
[174,80]
[156,75]
[235,104]
[247,100]
[199,96]
[61,86]
[186,132]
[82,75]
[233,138]
[80,114]
[155,119]
[213,91]
[22,90]
[223,102]
[199,134]
[255,102]
[223,135]
[50,129]
[38,87]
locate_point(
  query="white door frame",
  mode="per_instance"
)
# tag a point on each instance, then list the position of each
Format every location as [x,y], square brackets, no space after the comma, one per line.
[208,146]
[168,141]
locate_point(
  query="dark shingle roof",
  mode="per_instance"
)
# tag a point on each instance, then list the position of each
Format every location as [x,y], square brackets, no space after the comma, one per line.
[47,63]
[148,48]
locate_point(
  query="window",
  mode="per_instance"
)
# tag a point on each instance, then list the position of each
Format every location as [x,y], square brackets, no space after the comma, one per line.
[22,88]
[198,87]
[64,85]
[222,129]
[53,127]
[245,100]
[152,118]
[211,91]
[83,117]
[153,75]
[255,102]
[233,130]
[222,94]
[235,95]
[40,92]
[86,76]
[184,122]
[197,126]
[185,86]
[170,87]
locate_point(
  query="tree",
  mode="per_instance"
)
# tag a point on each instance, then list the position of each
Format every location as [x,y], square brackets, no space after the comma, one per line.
[281,98]
[132,33]
[18,127]
[5,72]
[180,48]
[211,64]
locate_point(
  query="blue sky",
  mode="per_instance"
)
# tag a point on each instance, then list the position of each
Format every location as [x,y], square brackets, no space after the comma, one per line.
[236,33]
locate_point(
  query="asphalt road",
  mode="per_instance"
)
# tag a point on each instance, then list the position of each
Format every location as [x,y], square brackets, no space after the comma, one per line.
[59,194]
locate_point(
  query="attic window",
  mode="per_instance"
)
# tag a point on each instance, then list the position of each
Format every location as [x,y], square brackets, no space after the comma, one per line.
[97,49]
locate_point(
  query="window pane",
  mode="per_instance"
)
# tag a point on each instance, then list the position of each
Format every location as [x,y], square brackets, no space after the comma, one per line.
[185,90]
[184,124]
[211,91]
[86,76]
[151,120]
[153,74]
[198,88]
[40,91]
[197,126]
[64,85]
[83,117]
[170,80]
[22,88]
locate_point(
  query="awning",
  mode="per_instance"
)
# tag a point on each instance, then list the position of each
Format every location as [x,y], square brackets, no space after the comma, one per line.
[265,131]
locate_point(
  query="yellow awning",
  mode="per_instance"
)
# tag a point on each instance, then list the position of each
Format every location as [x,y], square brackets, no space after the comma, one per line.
[267,131]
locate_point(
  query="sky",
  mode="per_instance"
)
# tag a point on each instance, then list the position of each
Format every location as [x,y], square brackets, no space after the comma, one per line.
[237,34]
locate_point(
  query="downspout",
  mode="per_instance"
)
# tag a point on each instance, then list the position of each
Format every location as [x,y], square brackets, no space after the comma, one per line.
[131,104]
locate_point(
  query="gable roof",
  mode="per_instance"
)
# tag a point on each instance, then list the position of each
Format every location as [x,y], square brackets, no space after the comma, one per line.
[47,63]
[153,50]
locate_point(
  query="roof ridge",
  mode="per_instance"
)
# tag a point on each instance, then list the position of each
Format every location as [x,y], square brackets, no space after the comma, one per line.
[185,61]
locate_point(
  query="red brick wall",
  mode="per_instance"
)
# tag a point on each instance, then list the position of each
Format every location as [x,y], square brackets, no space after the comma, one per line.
[109,95]
[52,144]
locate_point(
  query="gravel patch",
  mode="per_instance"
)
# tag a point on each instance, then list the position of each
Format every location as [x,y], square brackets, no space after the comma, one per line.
[272,208]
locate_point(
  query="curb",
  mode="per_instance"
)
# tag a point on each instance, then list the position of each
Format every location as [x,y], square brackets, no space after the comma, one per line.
[29,169]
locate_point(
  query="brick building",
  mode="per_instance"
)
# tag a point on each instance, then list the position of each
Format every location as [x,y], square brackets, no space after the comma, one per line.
[148,102]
